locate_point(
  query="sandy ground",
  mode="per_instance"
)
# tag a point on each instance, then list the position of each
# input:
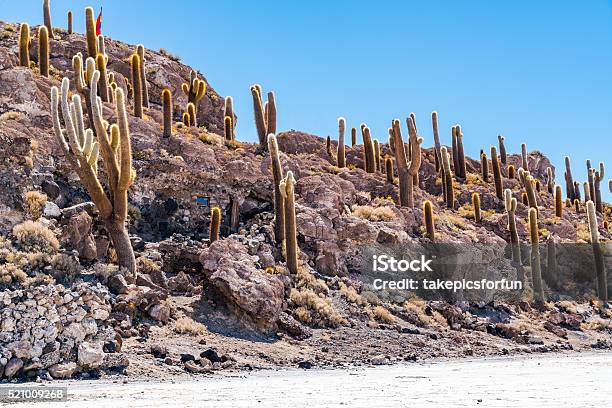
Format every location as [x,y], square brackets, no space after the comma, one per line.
[559,380]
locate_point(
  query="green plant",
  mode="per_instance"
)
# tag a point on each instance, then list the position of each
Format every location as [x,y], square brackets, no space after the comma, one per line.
[265,115]
[102,47]
[447,178]
[287,187]
[140,50]
[436,136]
[497,177]
[90,31]
[166,97]
[103,85]
[277,178]
[341,152]
[215,224]
[228,129]
[558,201]
[429,220]
[69,22]
[195,89]
[407,170]
[389,170]
[43,51]
[524,163]
[47,17]
[476,205]
[82,152]
[536,267]
[484,166]
[136,84]
[600,267]
[24,45]
[79,77]
[191,110]
[569,181]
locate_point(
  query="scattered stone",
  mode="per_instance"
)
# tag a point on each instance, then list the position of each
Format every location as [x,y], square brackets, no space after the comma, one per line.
[12,367]
[51,210]
[160,312]
[307,365]
[117,284]
[90,355]
[379,360]
[159,351]
[213,356]
[187,357]
[292,327]
[64,370]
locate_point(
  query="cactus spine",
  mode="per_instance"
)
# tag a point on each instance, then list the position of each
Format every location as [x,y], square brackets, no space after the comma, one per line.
[291,247]
[407,170]
[277,178]
[24,45]
[436,136]
[90,30]
[166,97]
[558,202]
[510,203]
[341,153]
[447,179]
[228,109]
[228,129]
[476,205]
[600,267]
[499,188]
[389,170]
[69,22]
[525,164]
[536,267]
[511,172]
[368,149]
[136,84]
[429,220]
[47,17]
[82,152]
[191,110]
[101,66]
[140,50]
[215,224]
[43,51]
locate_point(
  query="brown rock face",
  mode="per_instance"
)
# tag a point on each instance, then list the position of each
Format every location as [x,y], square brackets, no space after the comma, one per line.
[246,288]
[77,235]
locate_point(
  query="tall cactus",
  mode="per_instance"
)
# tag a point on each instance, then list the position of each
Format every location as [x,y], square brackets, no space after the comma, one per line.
[353,137]
[550,180]
[476,205]
[166,97]
[228,129]
[511,172]
[287,187]
[368,150]
[407,170]
[591,184]
[90,31]
[389,170]
[510,203]
[140,50]
[524,162]
[341,153]
[436,136]
[461,172]
[497,177]
[429,220]
[558,202]
[587,191]
[447,178]
[600,267]
[502,152]
[136,84]
[195,89]
[328,147]
[528,183]
[24,45]
[265,115]
[484,166]
[228,109]
[69,22]
[597,178]
[455,152]
[215,224]
[104,88]
[43,51]
[47,17]
[82,152]
[536,266]
[191,110]
[569,181]
[277,178]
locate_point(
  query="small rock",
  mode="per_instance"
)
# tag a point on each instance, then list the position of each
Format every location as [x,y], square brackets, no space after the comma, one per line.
[213,356]
[192,367]
[379,360]
[117,284]
[307,365]
[90,355]
[51,210]
[159,351]
[187,357]
[13,365]
[64,370]
[50,188]
[160,312]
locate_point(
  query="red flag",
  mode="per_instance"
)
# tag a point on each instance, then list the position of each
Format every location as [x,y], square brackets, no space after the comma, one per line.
[99,23]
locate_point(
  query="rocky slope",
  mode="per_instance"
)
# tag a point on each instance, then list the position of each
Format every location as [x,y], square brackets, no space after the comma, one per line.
[195,307]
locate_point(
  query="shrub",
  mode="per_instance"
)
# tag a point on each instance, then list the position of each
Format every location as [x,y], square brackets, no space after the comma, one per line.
[320,310]
[383,315]
[65,267]
[35,202]
[188,325]
[32,236]
[373,213]
[351,295]
[10,273]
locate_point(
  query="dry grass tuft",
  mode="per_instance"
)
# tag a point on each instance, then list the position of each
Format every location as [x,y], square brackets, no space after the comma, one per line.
[383,315]
[34,237]
[186,325]
[321,313]
[373,213]
[351,295]
[35,202]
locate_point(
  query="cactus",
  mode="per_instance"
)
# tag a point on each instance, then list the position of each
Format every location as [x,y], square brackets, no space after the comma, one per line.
[82,153]
[90,30]
[166,97]
[368,150]
[186,119]
[511,172]
[265,115]
[389,170]
[558,202]
[407,170]
[528,183]
[461,172]
[228,110]
[291,247]
[140,50]
[377,158]
[341,153]
[69,22]
[597,178]
[536,267]
[569,181]
[499,189]
[577,205]
[102,47]
[455,153]
[510,203]
[484,166]
[215,224]
[436,136]
[101,66]
[43,51]
[195,89]
[576,191]
[447,179]
[537,185]
[191,110]
[476,205]
[591,185]
[277,178]
[550,180]
[328,147]
[502,151]
[600,267]
[391,141]
[353,137]
[24,45]
[524,198]
[587,193]
[228,129]
[47,17]
[136,84]
[610,185]
[429,220]
[524,162]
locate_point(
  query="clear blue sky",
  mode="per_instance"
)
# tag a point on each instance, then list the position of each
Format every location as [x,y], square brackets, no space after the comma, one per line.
[536,71]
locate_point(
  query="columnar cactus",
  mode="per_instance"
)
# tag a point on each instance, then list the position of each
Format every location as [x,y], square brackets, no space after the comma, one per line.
[436,136]
[191,110]
[484,166]
[47,17]
[476,205]
[368,151]
[265,117]
[328,147]
[511,172]
[377,156]
[536,267]
[140,50]
[43,51]
[136,84]
[81,150]
[228,129]
[341,153]
[429,220]
[600,267]
[186,119]
[529,184]
[455,152]
[461,172]
[24,45]
[69,22]
[447,178]
[353,137]
[90,31]
[391,141]
[104,88]
[389,170]
[502,152]
[277,178]
[215,224]
[569,181]
[598,176]
[550,180]
[591,185]
[510,203]
[291,246]
[102,47]
[166,97]
[558,202]
[577,205]
[497,177]
[228,109]
[525,163]
[577,191]
[587,192]
[406,170]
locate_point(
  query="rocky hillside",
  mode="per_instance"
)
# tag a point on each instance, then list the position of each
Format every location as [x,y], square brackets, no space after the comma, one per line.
[66,308]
